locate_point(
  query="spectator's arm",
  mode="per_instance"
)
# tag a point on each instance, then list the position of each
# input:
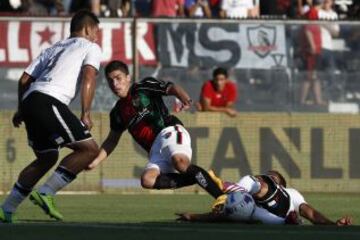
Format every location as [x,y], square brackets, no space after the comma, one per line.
[95,7]
[181,10]
[206,8]
[333,29]
[255,11]
[230,104]
[200,3]
[310,40]
[60,7]
[222,13]
[125,8]
[206,106]
[192,8]
[300,7]
[232,96]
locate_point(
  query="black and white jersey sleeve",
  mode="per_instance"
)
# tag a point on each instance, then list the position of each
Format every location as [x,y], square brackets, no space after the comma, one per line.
[153,86]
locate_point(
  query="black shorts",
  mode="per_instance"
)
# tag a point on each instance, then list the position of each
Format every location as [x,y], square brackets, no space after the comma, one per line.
[50,124]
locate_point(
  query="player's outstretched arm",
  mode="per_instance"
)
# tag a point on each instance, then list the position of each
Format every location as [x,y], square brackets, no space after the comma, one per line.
[317,217]
[106,149]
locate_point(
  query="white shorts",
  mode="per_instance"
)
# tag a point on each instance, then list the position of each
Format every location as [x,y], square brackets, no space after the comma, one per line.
[170,141]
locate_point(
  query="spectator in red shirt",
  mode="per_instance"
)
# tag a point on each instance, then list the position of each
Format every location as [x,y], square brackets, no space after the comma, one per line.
[168,8]
[312,56]
[218,94]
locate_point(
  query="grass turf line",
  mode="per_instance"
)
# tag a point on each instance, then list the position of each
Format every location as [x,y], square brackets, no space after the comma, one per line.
[152,217]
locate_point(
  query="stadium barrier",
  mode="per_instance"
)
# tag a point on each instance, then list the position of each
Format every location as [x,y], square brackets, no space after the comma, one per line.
[264,57]
[315,152]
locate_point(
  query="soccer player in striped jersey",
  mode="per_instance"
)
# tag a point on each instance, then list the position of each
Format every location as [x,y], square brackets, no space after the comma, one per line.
[276,203]
[46,88]
[141,110]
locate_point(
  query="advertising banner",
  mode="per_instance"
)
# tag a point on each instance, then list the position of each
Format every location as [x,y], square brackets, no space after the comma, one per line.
[22,41]
[254,46]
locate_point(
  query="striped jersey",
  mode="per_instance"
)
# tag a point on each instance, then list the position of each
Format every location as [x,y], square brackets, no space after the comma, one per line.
[143,112]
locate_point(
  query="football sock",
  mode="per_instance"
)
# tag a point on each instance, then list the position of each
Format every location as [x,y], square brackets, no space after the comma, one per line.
[203,178]
[58,180]
[16,196]
[173,180]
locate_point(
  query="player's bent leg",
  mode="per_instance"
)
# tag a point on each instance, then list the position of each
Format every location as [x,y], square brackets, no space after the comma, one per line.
[162,176]
[216,179]
[46,202]
[148,178]
[84,153]
[31,174]
[203,178]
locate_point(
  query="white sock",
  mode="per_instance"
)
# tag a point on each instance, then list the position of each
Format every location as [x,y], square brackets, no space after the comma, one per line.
[13,200]
[53,184]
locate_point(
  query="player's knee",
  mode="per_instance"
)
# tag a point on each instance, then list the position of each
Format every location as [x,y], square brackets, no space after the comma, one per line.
[147,182]
[181,162]
[148,179]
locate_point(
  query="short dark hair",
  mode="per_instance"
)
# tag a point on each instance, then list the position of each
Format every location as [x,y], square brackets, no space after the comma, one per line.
[116,65]
[278,175]
[81,19]
[318,2]
[219,71]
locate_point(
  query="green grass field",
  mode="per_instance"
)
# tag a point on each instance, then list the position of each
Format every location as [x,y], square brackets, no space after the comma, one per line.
[111,216]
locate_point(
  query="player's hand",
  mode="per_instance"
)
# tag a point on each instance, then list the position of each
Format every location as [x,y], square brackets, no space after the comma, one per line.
[186,104]
[86,120]
[183,217]
[93,165]
[292,218]
[344,221]
[17,119]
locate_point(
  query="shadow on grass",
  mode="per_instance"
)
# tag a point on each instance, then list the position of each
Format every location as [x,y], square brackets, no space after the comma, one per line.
[169,230]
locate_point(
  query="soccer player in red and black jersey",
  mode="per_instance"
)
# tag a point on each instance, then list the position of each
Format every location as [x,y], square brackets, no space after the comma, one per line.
[141,110]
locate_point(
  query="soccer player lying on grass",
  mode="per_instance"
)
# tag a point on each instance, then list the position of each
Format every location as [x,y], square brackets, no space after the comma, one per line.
[270,193]
[239,206]
[141,110]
